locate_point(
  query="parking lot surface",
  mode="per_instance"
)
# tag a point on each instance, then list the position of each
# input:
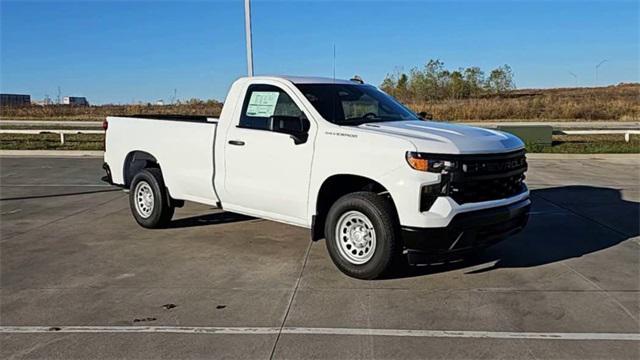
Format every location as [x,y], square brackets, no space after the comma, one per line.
[80,279]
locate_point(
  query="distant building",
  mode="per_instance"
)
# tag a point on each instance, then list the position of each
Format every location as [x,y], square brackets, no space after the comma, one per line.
[75,100]
[160,102]
[14,100]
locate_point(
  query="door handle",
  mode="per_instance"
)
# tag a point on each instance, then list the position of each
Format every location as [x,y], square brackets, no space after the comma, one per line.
[236,142]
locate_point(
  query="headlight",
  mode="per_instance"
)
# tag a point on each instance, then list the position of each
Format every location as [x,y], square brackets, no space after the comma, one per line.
[427,162]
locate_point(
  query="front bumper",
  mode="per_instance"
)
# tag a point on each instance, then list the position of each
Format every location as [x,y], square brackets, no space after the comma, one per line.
[466,231]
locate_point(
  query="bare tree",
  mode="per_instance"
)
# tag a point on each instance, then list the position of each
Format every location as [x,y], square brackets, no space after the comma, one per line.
[501,80]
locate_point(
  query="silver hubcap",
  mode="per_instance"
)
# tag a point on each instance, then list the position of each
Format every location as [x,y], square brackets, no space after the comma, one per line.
[356,237]
[144,199]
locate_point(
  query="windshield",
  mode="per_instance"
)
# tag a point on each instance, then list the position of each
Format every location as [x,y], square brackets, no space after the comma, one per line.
[354,104]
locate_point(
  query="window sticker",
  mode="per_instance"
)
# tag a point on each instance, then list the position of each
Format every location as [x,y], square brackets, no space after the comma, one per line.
[262,103]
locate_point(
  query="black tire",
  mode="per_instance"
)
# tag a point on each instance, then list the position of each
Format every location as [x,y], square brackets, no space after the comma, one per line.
[160,213]
[380,212]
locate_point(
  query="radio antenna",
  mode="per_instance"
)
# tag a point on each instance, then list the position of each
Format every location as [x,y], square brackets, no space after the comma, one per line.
[334,62]
[333,101]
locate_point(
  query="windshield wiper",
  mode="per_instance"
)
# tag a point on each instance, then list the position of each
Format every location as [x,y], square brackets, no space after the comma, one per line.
[360,121]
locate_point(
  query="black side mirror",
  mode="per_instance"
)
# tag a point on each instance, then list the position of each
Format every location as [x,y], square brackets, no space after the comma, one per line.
[297,127]
[425,115]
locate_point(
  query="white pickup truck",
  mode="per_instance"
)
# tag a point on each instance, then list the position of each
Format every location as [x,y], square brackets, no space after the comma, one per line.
[342,158]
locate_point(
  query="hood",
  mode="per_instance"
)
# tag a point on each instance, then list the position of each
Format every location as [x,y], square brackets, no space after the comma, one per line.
[447,138]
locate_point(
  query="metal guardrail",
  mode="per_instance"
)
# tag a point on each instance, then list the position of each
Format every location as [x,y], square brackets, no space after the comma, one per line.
[627,133]
[61,132]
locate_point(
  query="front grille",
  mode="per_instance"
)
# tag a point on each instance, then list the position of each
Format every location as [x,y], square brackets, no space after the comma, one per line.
[486,190]
[488,177]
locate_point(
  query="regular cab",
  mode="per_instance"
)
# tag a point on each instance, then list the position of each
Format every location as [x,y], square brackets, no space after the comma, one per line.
[382,186]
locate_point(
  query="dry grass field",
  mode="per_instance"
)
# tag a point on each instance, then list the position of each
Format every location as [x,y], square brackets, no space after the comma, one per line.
[98,113]
[614,103]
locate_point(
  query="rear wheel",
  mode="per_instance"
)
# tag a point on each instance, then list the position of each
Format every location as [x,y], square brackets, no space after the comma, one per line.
[148,199]
[360,234]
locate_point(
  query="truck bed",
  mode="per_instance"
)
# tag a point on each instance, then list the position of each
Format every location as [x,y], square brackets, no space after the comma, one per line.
[183,144]
[175,117]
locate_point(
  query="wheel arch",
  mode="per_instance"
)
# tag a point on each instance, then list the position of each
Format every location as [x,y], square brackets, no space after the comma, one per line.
[134,162]
[336,186]
[138,160]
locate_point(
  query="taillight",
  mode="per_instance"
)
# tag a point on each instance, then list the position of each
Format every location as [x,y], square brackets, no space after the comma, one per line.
[105,124]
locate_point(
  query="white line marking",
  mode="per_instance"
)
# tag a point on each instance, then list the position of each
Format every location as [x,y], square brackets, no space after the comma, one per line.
[321,331]
[139,329]
[466,334]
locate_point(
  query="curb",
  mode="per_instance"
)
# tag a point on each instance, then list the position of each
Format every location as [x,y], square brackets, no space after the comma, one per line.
[558,125]
[52,153]
[544,156]
[532,156]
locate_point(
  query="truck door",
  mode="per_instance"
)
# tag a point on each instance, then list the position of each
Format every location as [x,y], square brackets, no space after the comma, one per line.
[267,172]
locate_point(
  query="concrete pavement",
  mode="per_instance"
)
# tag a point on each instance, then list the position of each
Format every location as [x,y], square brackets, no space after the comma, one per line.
[71,255]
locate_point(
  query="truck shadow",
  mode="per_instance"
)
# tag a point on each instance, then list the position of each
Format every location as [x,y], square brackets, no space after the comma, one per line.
[223,217]
[78,193]
[566,222]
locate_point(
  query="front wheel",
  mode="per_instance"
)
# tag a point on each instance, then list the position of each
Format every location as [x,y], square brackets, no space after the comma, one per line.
[148,199]
[360,234]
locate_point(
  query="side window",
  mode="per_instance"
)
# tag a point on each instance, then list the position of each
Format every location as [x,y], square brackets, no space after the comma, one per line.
[264,101]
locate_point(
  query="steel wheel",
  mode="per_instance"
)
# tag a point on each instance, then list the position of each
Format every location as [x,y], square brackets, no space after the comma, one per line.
[144,199]
[355,237]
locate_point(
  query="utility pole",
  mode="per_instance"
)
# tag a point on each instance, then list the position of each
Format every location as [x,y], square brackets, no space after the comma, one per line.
[597,67]
[247,30]
[59,93]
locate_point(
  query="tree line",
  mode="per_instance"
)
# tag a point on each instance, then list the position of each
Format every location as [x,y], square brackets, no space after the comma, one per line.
[435,82]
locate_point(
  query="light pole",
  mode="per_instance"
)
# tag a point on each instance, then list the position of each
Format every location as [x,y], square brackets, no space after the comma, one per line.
[597,67]
[247,29]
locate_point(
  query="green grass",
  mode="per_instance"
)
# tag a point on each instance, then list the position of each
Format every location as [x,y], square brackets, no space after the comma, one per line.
[48,127]
[589,144]
[51,142]
[576,144]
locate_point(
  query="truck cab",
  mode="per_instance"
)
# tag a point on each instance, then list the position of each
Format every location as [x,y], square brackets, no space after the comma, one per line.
[339,157]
